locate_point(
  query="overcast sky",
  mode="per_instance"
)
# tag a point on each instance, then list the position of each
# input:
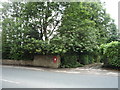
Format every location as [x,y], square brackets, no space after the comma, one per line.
[111,8]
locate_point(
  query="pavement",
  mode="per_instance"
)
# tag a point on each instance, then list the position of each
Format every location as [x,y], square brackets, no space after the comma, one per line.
[37,77]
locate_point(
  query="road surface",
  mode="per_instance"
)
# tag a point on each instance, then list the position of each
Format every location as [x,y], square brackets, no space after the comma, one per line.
[22,77]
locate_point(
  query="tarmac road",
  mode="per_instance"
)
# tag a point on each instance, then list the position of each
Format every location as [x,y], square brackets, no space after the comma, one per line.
[22,77]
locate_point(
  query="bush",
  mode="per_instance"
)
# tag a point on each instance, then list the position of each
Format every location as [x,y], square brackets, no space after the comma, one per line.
[111,54]
[86,59]
[70,60]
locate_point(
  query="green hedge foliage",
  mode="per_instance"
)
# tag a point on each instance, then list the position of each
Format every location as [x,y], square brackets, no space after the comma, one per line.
[86,59]
[78,59]
[111,54]
[70,60]
[89,58]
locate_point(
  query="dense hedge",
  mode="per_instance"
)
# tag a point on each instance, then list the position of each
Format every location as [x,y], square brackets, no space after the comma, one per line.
[86,59]
[70,60]
[79,59]
[111,54]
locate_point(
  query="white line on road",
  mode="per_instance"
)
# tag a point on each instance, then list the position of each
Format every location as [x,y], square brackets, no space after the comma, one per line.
[29,68]
[10,81]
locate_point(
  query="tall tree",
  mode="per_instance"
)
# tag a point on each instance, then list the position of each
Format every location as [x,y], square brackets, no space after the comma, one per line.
[113,32]
[43,18]
[24,22]
[85,25]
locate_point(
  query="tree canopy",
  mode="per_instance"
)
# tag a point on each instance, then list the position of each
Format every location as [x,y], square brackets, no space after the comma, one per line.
[30,28]
[85,25]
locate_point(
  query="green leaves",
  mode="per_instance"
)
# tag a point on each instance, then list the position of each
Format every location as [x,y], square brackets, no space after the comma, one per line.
[26,27]
[110,52]
[54,28]
[70,61]
[77,27]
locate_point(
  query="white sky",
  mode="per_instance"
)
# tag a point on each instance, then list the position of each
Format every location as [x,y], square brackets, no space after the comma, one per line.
[111,8]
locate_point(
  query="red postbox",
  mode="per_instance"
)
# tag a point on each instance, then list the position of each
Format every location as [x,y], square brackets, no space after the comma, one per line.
[54,59]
